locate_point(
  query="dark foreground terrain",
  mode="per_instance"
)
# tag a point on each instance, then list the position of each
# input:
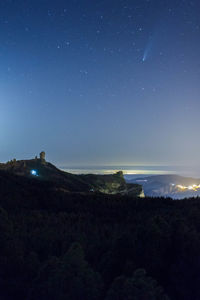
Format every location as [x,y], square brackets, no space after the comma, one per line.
[92,246]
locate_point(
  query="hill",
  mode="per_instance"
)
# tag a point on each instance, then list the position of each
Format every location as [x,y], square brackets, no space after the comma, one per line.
[41,170]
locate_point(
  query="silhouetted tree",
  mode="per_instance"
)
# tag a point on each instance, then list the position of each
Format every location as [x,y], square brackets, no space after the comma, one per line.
[138,287]
[68,278]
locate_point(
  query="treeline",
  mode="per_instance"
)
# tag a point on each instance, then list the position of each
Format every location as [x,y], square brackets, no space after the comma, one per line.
[56,245]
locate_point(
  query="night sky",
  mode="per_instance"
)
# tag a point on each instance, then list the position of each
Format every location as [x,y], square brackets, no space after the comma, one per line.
[100,82]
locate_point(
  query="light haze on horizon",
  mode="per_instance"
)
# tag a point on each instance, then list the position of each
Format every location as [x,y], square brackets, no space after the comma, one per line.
[74,81]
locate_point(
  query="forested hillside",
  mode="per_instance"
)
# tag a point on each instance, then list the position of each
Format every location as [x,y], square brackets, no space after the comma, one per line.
[57,245]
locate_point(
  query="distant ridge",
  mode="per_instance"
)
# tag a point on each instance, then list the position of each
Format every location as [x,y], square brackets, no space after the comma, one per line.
[174,186]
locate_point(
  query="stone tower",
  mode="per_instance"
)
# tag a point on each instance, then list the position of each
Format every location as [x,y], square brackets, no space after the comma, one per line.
[42,157]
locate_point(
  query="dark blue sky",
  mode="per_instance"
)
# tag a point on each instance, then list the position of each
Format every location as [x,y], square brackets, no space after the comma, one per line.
[100,82]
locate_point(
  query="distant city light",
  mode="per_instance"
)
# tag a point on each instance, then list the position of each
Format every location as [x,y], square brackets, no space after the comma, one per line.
[193,187]
[34,172]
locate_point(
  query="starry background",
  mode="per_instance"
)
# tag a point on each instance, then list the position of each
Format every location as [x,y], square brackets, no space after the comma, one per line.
[100,82]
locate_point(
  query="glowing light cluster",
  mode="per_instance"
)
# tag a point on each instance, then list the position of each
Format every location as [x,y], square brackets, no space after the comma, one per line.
[193,187]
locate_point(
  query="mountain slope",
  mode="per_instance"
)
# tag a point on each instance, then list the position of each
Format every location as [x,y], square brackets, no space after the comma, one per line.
[40,170]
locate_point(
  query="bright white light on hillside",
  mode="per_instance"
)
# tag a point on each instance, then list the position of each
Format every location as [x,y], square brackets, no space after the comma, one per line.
[190,187]
[34,172]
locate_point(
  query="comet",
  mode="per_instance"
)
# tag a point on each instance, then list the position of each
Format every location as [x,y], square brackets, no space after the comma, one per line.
[147,50]
[144,56]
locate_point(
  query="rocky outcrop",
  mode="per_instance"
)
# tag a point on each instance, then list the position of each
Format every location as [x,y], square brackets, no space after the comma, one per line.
[39,169]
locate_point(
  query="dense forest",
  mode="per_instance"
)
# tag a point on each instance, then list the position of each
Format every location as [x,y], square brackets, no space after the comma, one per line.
[78,246]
